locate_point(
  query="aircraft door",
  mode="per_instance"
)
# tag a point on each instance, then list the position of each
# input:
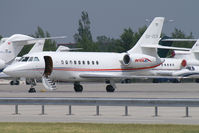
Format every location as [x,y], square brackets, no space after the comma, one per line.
[48,66]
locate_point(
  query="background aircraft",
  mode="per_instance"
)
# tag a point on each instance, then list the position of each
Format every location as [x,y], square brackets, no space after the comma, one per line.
[11,46]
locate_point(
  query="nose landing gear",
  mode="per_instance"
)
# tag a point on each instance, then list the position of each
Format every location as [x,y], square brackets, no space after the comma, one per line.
[32,83]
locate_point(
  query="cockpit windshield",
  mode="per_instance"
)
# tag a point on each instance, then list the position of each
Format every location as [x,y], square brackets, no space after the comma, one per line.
[25,59]
[191,68]
[36,59]
[29,59]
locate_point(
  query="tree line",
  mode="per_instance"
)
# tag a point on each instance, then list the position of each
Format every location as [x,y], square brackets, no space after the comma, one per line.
[128,38]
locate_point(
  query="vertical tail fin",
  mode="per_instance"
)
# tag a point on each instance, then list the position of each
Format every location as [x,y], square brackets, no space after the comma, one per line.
[195,47]
[8,50]
[150,37]
[195,50]
[38,46]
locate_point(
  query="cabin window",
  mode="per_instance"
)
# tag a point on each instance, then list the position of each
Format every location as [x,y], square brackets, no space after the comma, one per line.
[93,62]
[66,62]
[79,62]
[97,62]
[88,62]
[165,65]
[71,62]
[62,62]
[83,62]
[75,62]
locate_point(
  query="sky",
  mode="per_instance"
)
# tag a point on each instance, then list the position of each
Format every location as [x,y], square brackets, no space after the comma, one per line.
[108,17]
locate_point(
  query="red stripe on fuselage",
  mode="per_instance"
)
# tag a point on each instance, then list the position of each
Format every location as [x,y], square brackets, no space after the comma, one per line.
[85,69]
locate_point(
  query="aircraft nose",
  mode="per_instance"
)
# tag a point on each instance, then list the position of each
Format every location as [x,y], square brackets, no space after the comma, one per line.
[9,71]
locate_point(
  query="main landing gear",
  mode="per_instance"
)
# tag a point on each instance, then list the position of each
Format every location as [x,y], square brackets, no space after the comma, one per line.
[14,82]
[111,87]
[78,87]
[32,83]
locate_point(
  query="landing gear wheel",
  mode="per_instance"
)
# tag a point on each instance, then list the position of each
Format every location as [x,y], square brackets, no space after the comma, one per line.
[14,82]
[176,81]
[32,90]
[197,80]
[110,88]
[78,88]
[156,81]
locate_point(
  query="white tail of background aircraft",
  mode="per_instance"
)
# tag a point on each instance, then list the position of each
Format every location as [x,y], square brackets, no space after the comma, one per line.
[9,50]
[192,56]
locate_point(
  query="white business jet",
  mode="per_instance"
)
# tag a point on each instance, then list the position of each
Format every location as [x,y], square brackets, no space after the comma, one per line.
[77,67]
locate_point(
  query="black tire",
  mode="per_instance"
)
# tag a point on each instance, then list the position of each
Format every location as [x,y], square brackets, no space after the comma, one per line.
[12,82]
[176,81]
[32,90]
[197,80]
[78,88]
[155,80]
[17,82]
[110,88]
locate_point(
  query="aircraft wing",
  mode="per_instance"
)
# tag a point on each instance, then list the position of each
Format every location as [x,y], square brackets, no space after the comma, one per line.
[33,40]
[109,76]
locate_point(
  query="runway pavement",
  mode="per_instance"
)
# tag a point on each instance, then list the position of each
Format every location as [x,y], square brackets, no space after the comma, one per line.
[167,115]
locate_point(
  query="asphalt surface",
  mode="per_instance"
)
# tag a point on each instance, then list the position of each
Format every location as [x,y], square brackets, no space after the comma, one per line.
[166,115]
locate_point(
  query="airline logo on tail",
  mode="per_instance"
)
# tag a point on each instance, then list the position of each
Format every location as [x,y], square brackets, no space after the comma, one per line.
[143,60]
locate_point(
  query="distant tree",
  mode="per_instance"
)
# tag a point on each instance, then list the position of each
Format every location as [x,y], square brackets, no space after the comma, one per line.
[84,37]
[107,44]
[127,39]
[84,28]
[49,45]
[177,33]
[139,33]
[1,37]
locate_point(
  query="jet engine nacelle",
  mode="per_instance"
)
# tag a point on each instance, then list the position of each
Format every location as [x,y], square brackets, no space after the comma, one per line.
[2,64]
[140,60]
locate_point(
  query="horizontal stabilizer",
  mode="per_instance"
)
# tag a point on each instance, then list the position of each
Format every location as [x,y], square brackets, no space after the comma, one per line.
[164,47]
[34,40]
[180,40]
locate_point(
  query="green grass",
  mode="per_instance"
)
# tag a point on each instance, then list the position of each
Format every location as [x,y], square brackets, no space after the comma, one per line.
[94,128]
